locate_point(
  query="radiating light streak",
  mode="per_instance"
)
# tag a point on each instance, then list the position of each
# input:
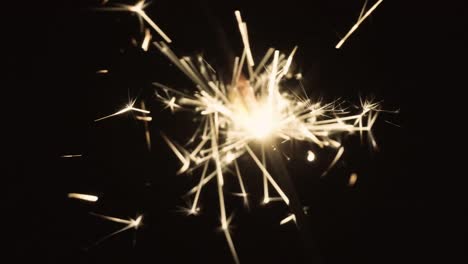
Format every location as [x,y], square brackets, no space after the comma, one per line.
[84,197]
[291,217]
[245,38]
[241,184]
[183,158]
[146,40]
[231,245]
[130,224]
[335,160]
[358,23]
[103,71]
[126,109]
[391,123]
[266,193]
[267,174]
[142,13]
[362,10]
[138,9]
[194,210]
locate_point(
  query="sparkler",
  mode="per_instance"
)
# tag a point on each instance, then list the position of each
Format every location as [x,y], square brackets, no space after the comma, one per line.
[252,113]
[255,108]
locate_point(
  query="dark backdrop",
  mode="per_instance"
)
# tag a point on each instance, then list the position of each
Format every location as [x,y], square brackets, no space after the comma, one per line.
[405,208]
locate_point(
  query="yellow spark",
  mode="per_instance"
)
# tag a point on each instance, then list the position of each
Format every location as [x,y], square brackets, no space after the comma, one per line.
[352,179]
[103,71]
[288,62]
[335,160]
[291,217]
[310,156]
[358,23]
[146,40]
[185,161]
[172,104]
[241,184]
[84,197]
[138,8]
[267,174]
[126,109]
[231,245]
[266,192]
[130,224]
[245,38]
[195,209]
[144,118]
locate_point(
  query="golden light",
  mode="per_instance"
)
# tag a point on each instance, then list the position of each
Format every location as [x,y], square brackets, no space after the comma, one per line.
[84,197]
[352,179]
[358,23]
[310,156]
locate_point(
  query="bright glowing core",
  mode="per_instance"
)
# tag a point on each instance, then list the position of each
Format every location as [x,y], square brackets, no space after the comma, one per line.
[258,123]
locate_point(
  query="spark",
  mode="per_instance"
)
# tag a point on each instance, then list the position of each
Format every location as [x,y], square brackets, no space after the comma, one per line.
[358,23]
[84,197]
[236,117]
[227,234]
[245,37]
[144,118]
[172,105]
[391,123]
[130,224]
[310,156]
[103,71]
[146,40]
[352,179]
[335,160]
[290,218]
[72,156]
[126,109]
[138,9]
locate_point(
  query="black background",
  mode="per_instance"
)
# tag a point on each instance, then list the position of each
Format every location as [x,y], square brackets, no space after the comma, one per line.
[407,206]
